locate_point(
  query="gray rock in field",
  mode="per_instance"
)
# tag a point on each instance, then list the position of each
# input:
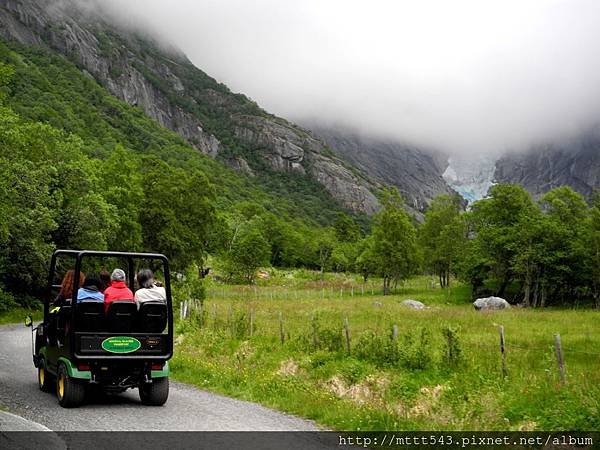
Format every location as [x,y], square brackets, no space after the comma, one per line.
[377,304]
[490,303]
[414,304]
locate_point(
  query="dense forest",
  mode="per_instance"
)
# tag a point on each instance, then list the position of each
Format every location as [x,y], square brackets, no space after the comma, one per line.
[81,169]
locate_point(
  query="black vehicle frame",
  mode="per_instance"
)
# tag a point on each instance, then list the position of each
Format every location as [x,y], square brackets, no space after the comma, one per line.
[78,346]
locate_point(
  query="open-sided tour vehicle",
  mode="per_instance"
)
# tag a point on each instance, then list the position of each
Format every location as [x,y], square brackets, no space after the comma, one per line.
[80,345]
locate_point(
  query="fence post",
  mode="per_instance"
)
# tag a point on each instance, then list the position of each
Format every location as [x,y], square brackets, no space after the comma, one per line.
[352,291]
[503,351]
[395,333]
[281,332]
[559,358]
[201,320]
[214,315]
[251,321]
[315,332]
[230,320]
[347,331]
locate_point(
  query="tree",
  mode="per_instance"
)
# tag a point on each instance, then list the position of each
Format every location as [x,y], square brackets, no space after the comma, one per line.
[324,244]
[248,252]
[443,236]
[394,241]
[178,211]
[496,222]
[346,229]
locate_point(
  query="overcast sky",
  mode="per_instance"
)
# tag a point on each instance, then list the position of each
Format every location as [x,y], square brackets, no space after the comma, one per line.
[463,76]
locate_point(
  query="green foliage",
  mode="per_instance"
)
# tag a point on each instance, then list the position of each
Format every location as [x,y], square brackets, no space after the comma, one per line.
[248,251]
[394,250]
[443,236]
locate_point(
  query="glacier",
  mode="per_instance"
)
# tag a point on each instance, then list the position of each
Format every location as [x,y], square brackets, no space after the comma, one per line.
[471,177]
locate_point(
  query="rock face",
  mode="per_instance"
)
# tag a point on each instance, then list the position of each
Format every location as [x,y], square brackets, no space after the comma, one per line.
[414,304]
[416,173]
[490,303]
[171,90]
[575,163]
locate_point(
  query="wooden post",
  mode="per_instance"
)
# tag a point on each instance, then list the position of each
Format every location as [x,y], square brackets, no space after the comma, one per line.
[341,292]
[352,291]
[503,351]
[559,358]
[315,332]
[395,333]
[215,316]
[230,320]
[281,332]
[347,332]
[323,294]
[201,320]
[251,322]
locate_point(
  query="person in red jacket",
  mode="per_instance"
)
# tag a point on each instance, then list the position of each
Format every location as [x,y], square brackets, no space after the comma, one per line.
[117,290]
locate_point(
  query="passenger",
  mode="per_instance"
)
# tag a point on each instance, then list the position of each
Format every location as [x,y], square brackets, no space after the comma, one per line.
[149,288]
[117,290]
[105,277]
[66,288]
[91,289]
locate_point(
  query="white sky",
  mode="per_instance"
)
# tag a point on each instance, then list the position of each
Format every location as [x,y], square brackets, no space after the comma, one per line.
[461,75]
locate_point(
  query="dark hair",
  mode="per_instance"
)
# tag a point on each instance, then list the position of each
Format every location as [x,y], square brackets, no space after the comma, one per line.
[92,280]
[105,278]
[145,278]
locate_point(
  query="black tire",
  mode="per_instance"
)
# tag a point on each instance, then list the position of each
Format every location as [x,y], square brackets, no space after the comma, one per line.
[45,379]
[155,393]
[70,392]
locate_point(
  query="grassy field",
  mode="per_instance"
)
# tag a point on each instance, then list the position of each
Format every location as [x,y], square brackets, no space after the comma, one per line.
[441,372]
[18,315]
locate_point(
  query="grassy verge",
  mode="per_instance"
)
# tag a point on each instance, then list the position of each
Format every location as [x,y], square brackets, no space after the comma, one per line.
[441,372]
[17,315]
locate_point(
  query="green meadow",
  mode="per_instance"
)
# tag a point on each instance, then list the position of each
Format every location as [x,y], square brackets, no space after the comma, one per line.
[340,353]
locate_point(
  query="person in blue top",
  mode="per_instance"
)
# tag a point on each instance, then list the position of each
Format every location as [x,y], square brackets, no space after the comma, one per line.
[91,289]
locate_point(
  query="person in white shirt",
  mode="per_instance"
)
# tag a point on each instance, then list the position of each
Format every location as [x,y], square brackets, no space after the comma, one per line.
[149,290]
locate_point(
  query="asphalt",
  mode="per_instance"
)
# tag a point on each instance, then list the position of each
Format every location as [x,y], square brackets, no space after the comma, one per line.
[188,408]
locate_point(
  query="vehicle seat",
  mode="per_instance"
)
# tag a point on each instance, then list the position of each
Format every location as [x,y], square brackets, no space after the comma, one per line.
[120,316]
[152,317]
[89,315]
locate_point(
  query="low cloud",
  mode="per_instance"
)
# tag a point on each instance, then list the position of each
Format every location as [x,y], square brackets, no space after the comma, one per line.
[463,76]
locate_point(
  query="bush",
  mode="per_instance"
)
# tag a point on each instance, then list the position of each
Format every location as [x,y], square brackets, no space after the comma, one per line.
[7,302]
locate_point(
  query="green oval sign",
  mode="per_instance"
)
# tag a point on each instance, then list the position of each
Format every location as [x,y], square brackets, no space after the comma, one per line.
[121,344]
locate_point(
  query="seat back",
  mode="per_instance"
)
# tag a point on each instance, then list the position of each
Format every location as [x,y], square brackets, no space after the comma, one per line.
[89,315]
[152,317]
[120,316]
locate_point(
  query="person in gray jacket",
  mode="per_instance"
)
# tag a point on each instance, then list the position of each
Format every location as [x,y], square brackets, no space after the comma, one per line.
[149,290]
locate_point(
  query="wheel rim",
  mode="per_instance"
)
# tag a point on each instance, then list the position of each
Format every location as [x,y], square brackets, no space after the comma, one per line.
[61,386]
[42,376]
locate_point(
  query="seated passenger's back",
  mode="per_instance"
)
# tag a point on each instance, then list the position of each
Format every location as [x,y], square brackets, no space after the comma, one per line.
[89,315]
[120,316]
[152,317]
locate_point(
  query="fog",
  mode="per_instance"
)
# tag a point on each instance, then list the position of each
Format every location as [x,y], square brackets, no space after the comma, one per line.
[462,76]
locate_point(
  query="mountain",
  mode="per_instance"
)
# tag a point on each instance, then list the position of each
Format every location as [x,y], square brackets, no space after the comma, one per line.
[416,173]
[574,162]
[163,83]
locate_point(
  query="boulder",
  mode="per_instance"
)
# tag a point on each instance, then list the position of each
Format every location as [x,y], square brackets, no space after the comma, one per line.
[490,303]
[414,304]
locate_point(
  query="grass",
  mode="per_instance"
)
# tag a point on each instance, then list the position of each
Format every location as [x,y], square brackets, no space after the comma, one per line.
[17,315]
[382,384]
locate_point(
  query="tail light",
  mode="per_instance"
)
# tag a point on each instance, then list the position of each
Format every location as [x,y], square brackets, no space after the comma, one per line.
[157,366]
[83,366]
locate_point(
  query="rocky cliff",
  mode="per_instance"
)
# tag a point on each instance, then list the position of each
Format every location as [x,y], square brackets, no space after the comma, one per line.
[575,163]
[416,173]
[179,96]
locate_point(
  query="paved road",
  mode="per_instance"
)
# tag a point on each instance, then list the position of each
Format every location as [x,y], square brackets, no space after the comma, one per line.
[187,409]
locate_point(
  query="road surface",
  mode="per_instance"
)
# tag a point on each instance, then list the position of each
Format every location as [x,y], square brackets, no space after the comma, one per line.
[187,409]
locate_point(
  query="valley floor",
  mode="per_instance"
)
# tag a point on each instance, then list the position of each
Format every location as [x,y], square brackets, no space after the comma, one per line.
[284,344]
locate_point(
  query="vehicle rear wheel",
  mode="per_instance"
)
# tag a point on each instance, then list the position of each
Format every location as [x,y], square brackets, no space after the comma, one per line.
[155,393]
[44,378]
[70,393]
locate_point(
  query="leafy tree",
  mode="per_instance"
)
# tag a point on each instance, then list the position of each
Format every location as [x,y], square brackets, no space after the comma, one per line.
[496,222]
[248,252]
[346,229]
[443,236]
[394,241]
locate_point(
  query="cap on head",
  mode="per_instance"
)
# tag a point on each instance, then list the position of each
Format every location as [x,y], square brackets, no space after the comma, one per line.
[118,275]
